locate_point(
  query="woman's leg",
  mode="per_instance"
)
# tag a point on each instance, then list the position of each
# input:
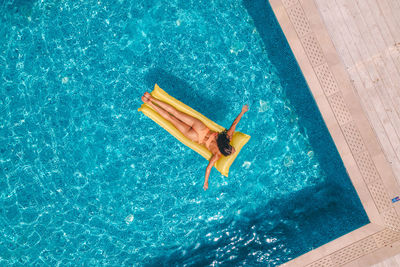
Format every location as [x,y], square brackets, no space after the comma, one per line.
[189,120]
[181,126]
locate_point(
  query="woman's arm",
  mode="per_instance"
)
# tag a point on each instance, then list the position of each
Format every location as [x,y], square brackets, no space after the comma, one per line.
[208,170]
[236,121]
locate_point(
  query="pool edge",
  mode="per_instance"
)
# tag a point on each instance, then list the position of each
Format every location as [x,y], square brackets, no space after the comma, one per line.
[357,144]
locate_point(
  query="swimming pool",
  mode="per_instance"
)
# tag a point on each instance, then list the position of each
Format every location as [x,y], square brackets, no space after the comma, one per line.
[89,179]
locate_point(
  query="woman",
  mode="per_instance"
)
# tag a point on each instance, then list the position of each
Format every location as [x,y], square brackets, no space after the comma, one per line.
[197,131]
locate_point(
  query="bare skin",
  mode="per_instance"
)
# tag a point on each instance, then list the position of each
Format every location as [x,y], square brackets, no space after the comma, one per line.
[191,127]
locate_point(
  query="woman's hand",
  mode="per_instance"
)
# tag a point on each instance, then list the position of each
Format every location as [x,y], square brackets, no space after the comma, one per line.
[205,186]
[245,108]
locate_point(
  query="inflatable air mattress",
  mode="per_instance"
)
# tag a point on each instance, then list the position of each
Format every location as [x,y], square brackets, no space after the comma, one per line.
[222,165]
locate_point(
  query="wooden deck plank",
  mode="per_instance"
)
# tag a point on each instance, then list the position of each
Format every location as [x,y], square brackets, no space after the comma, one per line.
[391,262]
[363,28]
[384,67]
[390,20]
[331,21]
[341,24]
[355,41]
[394,6]
[384,38]
[369,40]
[372,24]
[381,22]
[395,55]
[391,77]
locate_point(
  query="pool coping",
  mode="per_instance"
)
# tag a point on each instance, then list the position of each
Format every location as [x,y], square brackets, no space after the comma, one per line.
[353,135]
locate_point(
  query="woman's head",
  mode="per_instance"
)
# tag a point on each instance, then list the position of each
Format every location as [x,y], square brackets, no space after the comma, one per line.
[223,144]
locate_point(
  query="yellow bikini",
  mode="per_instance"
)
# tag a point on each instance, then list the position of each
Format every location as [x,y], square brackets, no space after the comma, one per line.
[209,140]
[238,140]
[202,135]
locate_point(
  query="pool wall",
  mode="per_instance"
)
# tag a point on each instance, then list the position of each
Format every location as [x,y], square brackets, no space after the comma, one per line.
[354,138]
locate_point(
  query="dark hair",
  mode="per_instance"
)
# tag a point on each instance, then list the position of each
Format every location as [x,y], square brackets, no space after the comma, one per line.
[223,143]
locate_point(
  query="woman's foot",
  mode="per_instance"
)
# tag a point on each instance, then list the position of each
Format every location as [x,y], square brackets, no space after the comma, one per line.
[145,100]
[146,97]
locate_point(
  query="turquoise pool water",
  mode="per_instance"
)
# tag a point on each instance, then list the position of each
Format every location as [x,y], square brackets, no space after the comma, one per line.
[86,179]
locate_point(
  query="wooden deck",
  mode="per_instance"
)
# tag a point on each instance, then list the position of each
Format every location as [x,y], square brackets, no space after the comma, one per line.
[366,34]
[391,262]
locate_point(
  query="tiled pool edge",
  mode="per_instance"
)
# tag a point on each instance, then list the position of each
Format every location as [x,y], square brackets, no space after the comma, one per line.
[354,138]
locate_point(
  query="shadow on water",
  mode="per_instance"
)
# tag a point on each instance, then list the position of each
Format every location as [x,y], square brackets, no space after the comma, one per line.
[279,227]
[211,107]
[17,6]
[16,12]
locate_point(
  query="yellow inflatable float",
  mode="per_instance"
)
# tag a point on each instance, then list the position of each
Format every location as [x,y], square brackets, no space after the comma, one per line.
[238,140]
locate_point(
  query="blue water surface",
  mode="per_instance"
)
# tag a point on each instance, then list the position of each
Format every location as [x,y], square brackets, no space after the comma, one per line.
[86,179]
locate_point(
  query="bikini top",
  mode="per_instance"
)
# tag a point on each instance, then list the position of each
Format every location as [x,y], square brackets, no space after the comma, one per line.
[210,138]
